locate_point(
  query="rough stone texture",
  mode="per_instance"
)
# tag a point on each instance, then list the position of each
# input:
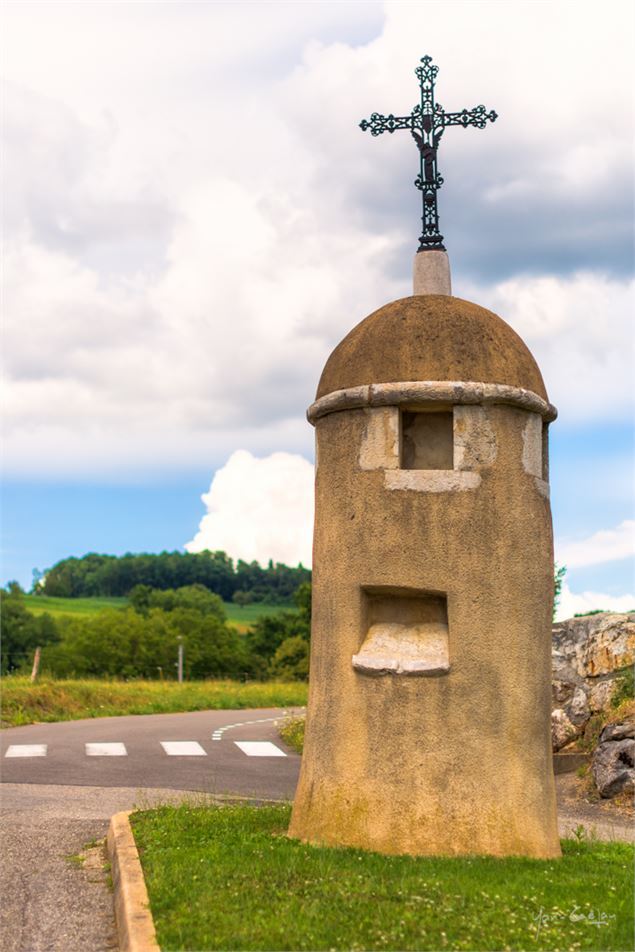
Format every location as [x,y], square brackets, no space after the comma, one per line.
[431,337]
[474,440]
[457,762]
[614,760]
[617,732]
[562,730]
[431,273]
[380,442]
[532,445]
[589,654]
[433,395]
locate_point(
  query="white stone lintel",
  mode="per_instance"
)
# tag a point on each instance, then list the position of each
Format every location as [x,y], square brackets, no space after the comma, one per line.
[431,480]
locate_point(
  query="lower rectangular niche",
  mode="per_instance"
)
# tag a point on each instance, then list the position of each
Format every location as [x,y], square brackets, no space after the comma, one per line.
[406,633]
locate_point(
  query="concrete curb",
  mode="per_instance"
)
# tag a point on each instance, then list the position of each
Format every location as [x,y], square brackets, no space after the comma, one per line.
[135,926]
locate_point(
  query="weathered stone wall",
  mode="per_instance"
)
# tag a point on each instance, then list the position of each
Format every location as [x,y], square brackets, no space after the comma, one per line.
[459,762]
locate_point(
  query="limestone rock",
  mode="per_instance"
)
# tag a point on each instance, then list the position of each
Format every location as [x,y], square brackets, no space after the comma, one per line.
[562,730]
[600,695]
[595,644]
[614,760]
[614,732]
[579,710]
[587,655]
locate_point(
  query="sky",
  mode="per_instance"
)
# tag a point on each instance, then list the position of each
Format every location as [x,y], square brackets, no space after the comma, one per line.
[193,219]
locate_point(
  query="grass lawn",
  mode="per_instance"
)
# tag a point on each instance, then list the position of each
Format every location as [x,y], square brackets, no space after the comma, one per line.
[228,878]
[69,700]
[239,616]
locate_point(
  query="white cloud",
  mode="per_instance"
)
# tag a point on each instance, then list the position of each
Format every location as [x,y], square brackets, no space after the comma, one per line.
[606,545]
[259,509]
[572,603]
[195,224]
[579,329]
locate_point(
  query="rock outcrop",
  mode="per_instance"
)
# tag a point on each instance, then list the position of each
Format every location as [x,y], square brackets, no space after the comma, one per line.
[589,656]
[614,760]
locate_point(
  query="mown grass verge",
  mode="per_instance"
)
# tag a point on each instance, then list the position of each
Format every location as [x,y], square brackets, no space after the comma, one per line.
[228,878]
[68,700]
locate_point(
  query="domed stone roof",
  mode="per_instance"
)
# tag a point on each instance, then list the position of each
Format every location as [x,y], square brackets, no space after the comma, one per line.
[431,337]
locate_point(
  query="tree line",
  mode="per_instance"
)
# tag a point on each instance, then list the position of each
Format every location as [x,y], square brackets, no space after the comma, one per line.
[111,575]
[142,639]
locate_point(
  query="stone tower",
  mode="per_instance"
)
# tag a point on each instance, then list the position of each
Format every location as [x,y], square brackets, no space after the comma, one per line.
[428,718]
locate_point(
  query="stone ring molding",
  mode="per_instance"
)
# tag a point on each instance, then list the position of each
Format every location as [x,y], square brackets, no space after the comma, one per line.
[429,392]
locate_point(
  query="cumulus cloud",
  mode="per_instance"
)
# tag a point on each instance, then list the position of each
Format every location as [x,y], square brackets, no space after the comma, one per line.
[195,224]
[574,603]
[579,328]
[259,509]
[607,545]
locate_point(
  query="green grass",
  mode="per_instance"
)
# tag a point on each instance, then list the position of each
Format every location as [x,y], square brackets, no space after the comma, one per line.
[243,616]
[292,733]
[69,700]
[228,878]
[239,616]
[38,604]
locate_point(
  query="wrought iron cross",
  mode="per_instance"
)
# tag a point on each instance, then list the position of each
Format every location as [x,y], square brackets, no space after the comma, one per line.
[427,123]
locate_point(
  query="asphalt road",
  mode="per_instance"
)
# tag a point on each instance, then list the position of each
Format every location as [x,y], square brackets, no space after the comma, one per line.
[218,766]
[53,805]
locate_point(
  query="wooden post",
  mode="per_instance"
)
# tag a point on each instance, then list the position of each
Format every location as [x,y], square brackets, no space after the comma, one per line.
[180,662]
[36,664]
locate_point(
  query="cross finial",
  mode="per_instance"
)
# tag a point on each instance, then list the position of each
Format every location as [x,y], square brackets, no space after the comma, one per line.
[427,123]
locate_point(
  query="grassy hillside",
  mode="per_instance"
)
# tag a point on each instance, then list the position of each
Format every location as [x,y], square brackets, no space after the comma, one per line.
[243,616]
[38,604]
[240,616]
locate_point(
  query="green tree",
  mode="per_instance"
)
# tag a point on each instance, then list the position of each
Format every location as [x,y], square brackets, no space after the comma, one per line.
[22,631]
[558,579]
[291,660]
[271,632]
[196,597]
[131,644]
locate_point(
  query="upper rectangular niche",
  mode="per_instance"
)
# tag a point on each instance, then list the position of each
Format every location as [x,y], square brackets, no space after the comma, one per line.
[427,440]
[406,632]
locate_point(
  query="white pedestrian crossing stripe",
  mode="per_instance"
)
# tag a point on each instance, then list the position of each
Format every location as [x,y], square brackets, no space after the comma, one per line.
[183,748]
[106,750]
[259,748]
[26,750]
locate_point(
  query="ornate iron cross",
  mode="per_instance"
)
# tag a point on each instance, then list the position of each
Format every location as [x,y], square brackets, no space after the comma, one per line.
[427,123]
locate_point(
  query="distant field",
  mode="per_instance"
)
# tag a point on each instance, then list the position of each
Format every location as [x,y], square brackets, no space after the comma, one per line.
[38,604]
[240,616]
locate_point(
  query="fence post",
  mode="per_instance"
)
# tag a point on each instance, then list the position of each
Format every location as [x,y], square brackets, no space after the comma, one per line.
[36,664]
[180,662]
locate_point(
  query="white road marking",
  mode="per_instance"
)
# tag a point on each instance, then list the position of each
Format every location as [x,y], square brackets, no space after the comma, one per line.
[26,750]
[259,748]
[218,733]
[183,748]
[106,750]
